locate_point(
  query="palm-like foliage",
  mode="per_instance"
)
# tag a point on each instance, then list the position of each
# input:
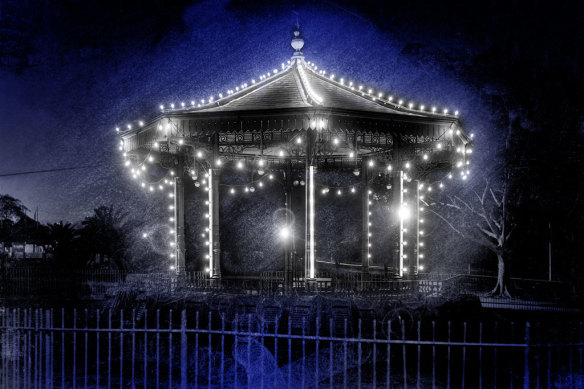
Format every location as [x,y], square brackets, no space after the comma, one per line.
[62,238]
[103,238]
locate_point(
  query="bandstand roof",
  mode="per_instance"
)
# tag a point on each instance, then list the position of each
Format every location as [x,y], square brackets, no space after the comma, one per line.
[265,116]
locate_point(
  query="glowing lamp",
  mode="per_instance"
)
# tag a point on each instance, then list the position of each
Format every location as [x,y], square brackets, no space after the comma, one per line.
[404,212]
[285,232]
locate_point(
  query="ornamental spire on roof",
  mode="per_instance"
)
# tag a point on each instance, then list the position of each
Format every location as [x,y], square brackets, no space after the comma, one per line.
[297,43]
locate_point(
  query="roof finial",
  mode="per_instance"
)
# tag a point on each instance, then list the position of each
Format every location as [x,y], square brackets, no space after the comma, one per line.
[297,42]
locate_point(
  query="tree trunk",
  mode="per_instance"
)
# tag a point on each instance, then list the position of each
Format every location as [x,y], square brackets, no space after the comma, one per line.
[500,289]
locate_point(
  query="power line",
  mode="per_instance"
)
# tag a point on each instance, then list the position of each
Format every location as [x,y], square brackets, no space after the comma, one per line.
[49,170]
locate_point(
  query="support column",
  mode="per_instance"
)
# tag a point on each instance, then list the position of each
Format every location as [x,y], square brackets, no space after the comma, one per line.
[398,225]
[179,222]
[214,236]
[310,271]
[309,249]
[365,238]
[417,228]
[289,241]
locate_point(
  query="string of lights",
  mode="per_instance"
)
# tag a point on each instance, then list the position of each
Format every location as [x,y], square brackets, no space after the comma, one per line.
[306,69]
[378,97]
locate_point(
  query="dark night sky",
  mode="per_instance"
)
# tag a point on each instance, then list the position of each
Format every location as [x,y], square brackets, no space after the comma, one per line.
[102,65]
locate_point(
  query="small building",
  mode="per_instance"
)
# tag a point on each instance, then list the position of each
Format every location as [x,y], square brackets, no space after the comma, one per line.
[21,250]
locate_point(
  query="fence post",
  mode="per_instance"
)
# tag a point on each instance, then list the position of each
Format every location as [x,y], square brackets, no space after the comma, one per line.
[316,374]
[3,335]
[74,347]
[121,348]
[85,351]
[109,349]
[28,322]
[448,359]
[157,348]
[222,369]
[48,346]
[145,357]
[134,348]
[18,349]
[403,333]
[388,372]
[375,353]
[526,368]
[463,354]
[359,355]
[419,353]
[210,343]
[433,354]
[170,348]
[183,349]
[581,339]
[97,348]
[331,334]
[235,341]
[345,355]
[480,355]
[12,345]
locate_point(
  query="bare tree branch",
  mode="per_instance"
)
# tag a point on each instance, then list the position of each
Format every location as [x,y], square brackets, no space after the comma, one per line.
[487,232]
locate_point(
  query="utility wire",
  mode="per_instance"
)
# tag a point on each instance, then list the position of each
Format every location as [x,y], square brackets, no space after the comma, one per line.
[49,170]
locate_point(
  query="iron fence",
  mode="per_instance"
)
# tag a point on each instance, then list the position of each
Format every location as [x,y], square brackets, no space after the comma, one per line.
[102,284]
[275,349]
[29,281]
[36,280]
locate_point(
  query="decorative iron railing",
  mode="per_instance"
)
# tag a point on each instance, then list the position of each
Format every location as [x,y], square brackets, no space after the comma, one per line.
[170,349]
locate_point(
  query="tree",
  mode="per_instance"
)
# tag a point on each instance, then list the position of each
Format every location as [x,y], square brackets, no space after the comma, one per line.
[484,219]
[104,238]
[11,208]
[62,237]
[11,211]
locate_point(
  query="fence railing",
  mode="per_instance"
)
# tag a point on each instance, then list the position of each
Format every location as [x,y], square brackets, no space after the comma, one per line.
[98,284]
[68,349]
[45,280]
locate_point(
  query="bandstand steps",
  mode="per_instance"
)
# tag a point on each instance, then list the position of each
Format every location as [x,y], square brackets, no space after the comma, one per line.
[299,317]
[271,315]
[340,314]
